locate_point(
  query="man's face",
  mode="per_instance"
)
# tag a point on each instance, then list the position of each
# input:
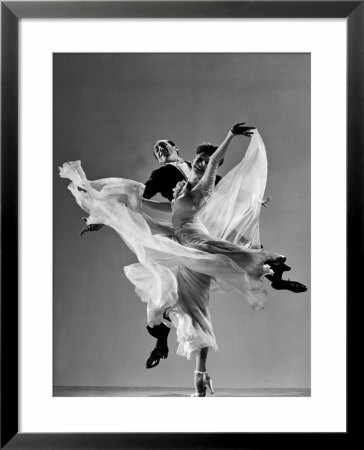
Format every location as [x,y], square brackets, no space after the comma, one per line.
[165,151]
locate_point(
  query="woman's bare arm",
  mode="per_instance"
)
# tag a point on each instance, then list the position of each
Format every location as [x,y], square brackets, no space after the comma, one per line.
[207,182]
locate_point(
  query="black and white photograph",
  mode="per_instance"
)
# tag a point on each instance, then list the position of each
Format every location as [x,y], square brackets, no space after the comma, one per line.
[181,224]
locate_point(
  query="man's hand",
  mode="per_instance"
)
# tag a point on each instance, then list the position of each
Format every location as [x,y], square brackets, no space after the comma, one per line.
[91,227]
[240,129]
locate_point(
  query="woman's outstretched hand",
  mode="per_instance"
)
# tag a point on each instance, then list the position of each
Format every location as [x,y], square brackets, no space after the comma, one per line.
[241,129]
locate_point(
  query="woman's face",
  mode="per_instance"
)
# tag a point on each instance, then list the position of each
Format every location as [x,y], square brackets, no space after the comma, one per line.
[199,164]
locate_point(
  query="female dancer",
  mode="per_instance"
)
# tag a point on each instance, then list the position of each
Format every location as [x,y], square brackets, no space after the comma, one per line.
[213,241]
[193,287]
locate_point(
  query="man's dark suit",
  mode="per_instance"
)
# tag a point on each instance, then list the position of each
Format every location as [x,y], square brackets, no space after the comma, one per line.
[163,181]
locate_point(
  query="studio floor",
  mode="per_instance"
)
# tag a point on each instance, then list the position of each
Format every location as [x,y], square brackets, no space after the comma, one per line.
[68,391]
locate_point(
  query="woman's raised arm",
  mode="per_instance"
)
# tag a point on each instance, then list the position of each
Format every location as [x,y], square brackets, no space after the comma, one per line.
[207,182]
[237,129]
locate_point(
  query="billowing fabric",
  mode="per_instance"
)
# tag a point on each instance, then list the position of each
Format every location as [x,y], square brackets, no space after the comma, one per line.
[214,245]
[238,199]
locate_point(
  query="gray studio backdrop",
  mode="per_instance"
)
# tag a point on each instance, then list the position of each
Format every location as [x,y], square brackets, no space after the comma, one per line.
[109,109]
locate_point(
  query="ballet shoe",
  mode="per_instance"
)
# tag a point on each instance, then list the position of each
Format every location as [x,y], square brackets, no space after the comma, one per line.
[203,381]
[209,384]
[159,352]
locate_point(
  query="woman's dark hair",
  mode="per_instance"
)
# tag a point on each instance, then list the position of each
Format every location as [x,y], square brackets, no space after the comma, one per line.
[208,148]
[161,143]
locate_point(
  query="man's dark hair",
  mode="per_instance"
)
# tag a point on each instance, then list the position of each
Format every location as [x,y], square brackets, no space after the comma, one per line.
[160,143]
[208,148]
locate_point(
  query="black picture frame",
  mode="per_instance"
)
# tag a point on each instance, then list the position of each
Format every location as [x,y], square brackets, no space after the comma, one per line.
[11,12]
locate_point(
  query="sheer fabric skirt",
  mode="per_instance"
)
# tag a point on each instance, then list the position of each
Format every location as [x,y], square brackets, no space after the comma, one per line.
[177,270]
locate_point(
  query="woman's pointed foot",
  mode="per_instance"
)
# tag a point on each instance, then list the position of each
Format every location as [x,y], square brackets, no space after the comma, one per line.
[202,381]
[209,383]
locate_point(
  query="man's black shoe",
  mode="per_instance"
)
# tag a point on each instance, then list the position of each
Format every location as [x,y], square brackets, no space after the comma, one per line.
[158,353]
[288,285]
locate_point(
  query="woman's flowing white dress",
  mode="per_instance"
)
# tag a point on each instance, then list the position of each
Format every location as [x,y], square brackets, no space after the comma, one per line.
[214,244]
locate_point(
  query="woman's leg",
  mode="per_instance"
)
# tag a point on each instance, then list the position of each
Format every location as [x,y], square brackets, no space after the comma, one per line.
[202,378]
[201,360]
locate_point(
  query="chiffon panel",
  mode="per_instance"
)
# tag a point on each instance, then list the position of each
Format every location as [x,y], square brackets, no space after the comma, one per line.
[220,250]
[238,198]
